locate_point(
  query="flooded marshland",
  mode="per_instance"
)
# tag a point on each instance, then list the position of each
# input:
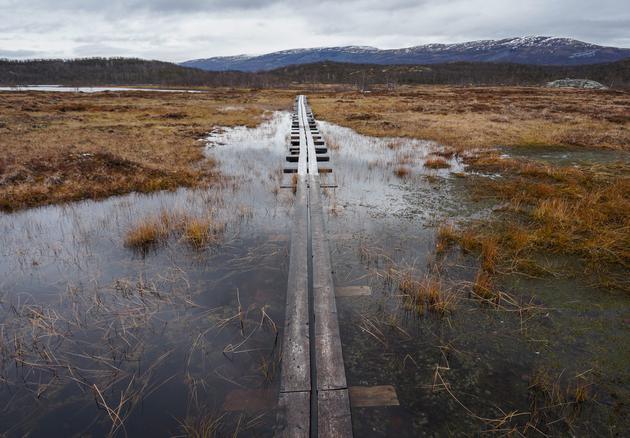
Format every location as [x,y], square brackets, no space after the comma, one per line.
[99,336]
[179,333]
[546,355]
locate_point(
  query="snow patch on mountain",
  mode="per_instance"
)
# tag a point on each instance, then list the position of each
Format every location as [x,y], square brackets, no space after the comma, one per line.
[537,50]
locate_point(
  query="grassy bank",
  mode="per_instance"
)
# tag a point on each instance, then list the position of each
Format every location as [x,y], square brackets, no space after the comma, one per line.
[474,117]
[542,209]
[60,147]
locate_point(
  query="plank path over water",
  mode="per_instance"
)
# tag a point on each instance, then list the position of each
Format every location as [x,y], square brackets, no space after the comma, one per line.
[313,390]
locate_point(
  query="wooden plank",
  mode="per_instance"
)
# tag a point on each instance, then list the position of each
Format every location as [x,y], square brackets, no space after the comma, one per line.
[278,237]
[302,163]
[353,291]
[310,145]
[249,400]
[294,413]
[295,374]
[329,359]
[373,396]
[333,414]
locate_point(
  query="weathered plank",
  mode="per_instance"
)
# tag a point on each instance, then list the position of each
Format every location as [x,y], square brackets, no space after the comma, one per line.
[294,415]
[329,359]
[353,291]
[249,400]
[296,388]
[372,396]
[295,371]
[333,414]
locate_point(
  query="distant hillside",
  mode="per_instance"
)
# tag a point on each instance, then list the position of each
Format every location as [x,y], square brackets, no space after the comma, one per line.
[111,71]
[616,74]
[535,50]
[98,71]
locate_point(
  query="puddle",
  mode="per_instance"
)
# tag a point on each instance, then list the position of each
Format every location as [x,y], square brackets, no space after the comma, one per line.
[568,156]
[175,339]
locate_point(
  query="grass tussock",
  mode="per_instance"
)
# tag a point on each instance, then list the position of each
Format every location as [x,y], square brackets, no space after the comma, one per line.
[294,183]
[582,212]
[145,234]
[558,398]
[436,163]
[198,232]
[59,147]
[427,294]
[402,171]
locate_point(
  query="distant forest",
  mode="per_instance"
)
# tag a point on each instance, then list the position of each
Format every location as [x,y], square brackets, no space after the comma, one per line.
[125,71]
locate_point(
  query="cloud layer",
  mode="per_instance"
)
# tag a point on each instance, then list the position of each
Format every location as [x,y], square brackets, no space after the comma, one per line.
[177,30]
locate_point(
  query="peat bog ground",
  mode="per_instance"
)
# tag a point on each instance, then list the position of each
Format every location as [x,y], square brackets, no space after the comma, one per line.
[490,224]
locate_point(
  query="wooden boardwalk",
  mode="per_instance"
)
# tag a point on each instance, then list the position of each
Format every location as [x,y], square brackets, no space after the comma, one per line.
[313,390]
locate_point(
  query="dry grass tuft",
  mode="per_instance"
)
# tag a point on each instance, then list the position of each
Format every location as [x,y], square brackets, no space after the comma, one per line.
[436,163]
[483,286]
[428,294]
[558,399]
[145,234]
[294,183]
[402,171]
[200,233]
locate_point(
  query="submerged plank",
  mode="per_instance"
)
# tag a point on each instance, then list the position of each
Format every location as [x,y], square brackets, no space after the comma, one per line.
[249,400]
[372,396]
[353,291]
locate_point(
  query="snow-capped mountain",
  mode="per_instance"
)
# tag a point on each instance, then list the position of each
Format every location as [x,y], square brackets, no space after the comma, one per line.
[538,50]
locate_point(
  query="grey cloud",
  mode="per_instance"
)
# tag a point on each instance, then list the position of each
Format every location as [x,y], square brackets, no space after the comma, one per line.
[18,53]
[177,30]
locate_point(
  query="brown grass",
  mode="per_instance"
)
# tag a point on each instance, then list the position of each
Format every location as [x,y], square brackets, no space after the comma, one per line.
[481,117]
[145,234]
[201,232]
[198,231]
[558,398]
[578,211]
[60,147]
[402,171]
[294,183]
[436,163]
[428,293]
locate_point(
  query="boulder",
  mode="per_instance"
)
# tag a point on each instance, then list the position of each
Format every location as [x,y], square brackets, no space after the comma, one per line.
[577,83]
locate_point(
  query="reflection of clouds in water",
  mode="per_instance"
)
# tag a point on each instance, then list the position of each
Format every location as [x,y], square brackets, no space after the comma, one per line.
[364,169]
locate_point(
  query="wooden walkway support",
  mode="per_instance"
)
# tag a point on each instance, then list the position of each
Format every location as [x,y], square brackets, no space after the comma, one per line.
[313,390]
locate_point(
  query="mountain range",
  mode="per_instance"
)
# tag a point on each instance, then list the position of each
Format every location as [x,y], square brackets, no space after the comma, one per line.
[533,50]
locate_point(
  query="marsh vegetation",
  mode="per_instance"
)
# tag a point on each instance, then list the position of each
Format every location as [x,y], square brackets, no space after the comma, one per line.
[491,226]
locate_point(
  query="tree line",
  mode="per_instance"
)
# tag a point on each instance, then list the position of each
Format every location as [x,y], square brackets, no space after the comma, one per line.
[131,71]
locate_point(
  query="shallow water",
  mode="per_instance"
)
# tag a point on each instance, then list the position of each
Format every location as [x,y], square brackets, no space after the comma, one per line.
[88,325]
[464,372]
[568,156]
[63,89]
[93,331]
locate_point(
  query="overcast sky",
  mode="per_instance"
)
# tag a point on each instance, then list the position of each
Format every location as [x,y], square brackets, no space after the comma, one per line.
[177,30]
